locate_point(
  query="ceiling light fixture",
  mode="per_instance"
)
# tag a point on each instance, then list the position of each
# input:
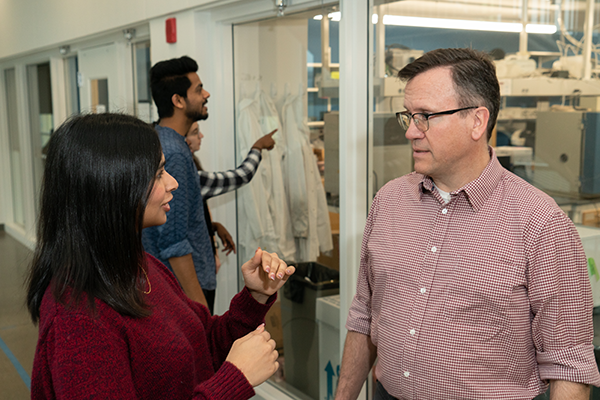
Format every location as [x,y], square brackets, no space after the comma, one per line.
[334,16]
[490,26]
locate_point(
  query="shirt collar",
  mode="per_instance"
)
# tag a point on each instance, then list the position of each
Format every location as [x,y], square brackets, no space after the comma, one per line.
[167,130]
[477,191]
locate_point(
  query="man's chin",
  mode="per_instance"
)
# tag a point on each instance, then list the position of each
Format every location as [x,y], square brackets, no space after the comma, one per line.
[196,116]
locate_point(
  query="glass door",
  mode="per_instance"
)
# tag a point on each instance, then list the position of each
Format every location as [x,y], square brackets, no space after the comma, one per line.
[524,45]
[40,119]
[286,73]
[547,130]
[98,79]
[71,85]
[16,154]
[141,79]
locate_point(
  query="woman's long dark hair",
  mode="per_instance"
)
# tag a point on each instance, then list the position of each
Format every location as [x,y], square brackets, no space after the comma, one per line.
[99,173]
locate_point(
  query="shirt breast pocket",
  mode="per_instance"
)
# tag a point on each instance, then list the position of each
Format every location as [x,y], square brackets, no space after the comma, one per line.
[478,295]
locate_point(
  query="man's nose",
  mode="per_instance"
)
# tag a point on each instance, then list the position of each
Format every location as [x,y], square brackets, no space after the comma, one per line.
[413,132]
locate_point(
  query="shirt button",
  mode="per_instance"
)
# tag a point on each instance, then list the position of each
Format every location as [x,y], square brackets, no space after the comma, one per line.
[423,290]
[412,331]
[445,211]
[434,249]
[407,374]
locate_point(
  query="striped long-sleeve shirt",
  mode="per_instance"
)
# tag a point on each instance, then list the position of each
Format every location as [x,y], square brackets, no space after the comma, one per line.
[216,183]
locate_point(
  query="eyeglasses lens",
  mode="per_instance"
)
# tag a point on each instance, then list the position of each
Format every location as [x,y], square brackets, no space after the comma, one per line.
[404,120]
[421,123]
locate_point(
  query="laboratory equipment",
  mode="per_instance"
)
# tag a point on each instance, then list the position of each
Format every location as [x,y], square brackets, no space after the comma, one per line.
[567,153]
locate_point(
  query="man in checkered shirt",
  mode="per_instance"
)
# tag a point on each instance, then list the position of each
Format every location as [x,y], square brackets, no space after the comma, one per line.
[473,284]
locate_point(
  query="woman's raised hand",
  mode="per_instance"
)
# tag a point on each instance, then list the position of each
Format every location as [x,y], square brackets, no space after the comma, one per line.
[264,274]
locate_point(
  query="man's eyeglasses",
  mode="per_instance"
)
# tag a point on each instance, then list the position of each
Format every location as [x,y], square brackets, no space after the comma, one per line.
[422,119]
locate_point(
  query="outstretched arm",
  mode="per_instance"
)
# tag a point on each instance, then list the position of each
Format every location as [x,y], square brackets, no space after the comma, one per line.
[215,183]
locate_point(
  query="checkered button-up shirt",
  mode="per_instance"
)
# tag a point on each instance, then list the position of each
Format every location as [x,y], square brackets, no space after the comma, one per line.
[484,297]
[216,183]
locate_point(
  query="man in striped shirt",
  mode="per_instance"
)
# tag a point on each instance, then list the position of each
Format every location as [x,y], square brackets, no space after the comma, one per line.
[473,284]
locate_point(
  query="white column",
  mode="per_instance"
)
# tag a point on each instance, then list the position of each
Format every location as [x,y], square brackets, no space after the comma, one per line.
[524,21]
[28,235]
[59,103]
[354,110]
[588,31]
[380,43]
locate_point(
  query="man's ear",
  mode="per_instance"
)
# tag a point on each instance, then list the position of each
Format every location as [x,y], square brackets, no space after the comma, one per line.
[481,116]
[178,101]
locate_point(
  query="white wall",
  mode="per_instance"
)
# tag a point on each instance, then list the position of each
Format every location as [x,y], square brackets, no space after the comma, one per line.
[27,26]
[56,22]
[186,37]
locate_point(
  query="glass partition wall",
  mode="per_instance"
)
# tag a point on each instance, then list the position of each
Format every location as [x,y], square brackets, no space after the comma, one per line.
[542,68]
[141,79]
[287,78]
[71,85]
[40,118]
[548,129]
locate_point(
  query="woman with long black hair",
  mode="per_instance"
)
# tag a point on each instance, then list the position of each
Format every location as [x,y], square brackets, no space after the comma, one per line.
[113,321]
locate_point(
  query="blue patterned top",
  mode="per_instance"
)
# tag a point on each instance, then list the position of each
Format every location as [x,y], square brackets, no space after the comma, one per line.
[185,231]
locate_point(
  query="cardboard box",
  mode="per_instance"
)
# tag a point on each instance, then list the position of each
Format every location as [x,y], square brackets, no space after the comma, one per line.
[273,325]
[332,260]
[591,218]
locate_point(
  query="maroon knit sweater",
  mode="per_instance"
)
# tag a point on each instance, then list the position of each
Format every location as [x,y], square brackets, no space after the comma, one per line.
[176,353]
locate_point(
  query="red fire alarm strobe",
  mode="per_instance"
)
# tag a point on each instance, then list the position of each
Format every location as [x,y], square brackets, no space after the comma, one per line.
[171,25]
